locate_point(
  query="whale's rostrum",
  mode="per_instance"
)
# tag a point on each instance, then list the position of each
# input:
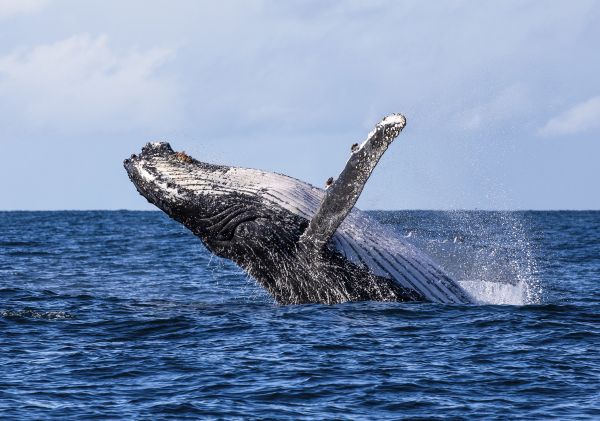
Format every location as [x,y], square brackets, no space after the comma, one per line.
[301,243]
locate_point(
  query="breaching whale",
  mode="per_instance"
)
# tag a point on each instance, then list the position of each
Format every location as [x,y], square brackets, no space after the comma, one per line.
[301,243]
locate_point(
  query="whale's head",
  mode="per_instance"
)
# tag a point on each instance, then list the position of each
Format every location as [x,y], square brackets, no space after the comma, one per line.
[238,213]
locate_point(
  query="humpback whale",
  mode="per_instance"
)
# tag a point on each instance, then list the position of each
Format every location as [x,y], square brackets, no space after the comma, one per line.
[303,244]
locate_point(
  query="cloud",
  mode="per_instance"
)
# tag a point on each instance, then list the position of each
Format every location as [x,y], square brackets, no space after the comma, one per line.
[504,106]
[82,84]
[10,8]
[580,118]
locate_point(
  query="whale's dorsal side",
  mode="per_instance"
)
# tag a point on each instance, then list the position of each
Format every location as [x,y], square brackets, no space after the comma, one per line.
[341,196]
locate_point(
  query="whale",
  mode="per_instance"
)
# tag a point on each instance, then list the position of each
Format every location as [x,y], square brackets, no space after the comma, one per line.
[301,243]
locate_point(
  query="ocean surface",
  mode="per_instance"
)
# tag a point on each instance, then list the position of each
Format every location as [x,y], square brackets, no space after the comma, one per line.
[125,315]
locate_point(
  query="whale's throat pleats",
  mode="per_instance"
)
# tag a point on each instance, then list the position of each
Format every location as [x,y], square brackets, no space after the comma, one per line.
[341,195]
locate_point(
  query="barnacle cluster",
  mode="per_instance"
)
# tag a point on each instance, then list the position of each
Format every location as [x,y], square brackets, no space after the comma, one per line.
[183,157]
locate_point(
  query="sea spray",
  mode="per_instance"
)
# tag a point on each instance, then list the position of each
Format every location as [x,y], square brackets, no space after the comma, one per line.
[489,253]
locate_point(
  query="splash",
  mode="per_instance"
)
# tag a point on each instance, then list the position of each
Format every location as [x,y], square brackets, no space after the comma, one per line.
[490,254]
[486,292]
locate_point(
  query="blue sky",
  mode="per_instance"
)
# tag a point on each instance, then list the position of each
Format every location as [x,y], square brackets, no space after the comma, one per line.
[502,98]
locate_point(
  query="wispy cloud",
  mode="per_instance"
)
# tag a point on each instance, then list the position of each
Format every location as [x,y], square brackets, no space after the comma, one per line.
[503,106]
[81,83]
[10,8]
[582,117]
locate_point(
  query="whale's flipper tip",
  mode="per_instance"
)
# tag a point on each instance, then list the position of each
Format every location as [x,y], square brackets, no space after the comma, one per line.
[391,126]
[394,119]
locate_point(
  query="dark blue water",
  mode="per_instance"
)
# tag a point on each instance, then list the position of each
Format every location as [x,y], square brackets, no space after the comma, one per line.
[126,315]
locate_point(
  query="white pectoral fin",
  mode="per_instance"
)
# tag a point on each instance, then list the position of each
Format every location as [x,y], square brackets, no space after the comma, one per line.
[342,195]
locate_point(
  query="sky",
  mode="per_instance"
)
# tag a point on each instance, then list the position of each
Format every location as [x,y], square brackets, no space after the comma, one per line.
[502,98]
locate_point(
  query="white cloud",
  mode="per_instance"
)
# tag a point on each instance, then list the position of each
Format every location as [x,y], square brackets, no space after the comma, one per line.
[10,8]
[580,118]
[82,84]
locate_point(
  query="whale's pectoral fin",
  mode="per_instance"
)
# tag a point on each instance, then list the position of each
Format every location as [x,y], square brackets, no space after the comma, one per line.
[341,196]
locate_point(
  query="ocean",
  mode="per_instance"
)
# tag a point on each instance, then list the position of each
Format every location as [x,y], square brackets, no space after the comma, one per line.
[125,315]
